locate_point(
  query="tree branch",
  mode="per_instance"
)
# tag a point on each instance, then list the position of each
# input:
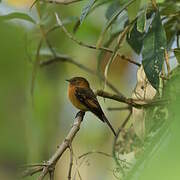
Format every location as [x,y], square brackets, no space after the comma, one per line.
[49,167]
[131,102]
[95,152]
[119,108]
[70,36]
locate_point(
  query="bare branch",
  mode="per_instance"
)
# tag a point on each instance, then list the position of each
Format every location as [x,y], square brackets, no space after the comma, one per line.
[167,62]
[70,36]
[49,167]
[115,51]
[31,171]
[119,108]
[115,97]
[68,59]
[94,152]
[51,175]
[132,102]
[65,2]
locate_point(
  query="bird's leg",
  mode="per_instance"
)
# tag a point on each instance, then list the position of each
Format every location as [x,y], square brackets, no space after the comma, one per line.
[81,114]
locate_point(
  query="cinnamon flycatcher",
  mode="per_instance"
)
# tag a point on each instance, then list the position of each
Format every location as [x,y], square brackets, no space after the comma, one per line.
[83,98]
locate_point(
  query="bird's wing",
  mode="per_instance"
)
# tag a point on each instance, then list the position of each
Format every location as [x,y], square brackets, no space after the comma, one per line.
[87,97]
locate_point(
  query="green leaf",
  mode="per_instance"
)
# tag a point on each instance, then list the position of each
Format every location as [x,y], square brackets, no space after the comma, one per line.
[119,23]
[112,8]
[161,148]
[133,9]
[86,10]
[171,31]
[96,5]
[154,51]
[17,15]
[102,53]
[177,54]
[110,22]
[135,39]
[141,22]
[169,8]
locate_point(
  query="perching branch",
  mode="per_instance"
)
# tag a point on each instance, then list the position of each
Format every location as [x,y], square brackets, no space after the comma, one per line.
[49,166]
[131,102]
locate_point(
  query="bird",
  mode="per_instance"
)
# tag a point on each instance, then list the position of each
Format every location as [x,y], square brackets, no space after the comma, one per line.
[83,98]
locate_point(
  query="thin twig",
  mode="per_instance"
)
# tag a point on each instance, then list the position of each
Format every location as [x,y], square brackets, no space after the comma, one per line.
[118,108]
[37,60]
[51,175]
[167,62]
[71,162]
[94,152]
[44,33]
[65,2]
[35,68]
[31,171]
[70,36]
[115,51]
[77,168]
[177,41]
[33,165]
[115,142]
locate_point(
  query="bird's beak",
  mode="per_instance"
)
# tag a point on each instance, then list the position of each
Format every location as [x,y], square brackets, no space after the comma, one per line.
[68,80]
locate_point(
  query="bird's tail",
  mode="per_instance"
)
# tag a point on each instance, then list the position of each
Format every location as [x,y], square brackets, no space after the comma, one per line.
[109,124]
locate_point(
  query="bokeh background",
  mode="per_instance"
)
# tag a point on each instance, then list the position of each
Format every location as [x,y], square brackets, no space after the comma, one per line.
[31,131]
[32,127]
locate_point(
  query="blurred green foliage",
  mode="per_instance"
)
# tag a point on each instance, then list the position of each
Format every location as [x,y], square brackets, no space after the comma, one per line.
[160,159]
[32,125]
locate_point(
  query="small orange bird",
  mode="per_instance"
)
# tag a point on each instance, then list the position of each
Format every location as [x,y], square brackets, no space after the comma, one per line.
[83,98]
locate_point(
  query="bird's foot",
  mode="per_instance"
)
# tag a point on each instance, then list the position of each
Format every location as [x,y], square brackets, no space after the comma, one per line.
[81,114]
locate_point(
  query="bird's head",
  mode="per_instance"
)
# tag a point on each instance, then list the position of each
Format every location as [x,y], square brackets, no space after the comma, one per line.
[78,82]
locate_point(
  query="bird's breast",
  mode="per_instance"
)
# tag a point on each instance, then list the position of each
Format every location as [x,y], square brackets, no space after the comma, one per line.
[74,100]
